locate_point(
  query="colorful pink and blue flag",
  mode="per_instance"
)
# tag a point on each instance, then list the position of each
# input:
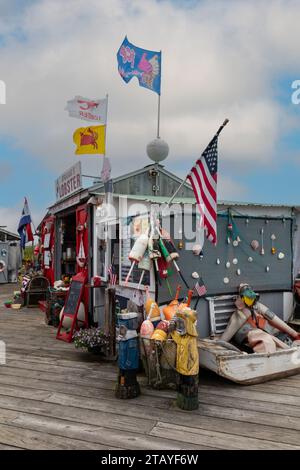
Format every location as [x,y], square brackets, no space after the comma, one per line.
[141,63]
[24,228]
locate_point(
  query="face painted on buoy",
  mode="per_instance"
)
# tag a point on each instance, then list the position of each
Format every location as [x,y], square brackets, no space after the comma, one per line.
[248,301]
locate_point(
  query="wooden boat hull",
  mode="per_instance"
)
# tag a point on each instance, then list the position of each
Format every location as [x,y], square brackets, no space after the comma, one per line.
[243,368]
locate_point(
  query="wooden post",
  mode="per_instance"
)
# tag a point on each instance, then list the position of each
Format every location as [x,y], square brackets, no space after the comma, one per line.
[106,311]
[112,332]
[110,319]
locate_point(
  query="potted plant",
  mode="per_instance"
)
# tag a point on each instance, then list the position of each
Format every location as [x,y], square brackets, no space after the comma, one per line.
[92,340]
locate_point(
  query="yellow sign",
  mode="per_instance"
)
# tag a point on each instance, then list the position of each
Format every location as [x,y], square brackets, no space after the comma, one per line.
[90,140]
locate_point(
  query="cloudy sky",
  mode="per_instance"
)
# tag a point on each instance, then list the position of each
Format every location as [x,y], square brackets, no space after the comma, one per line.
[234,59]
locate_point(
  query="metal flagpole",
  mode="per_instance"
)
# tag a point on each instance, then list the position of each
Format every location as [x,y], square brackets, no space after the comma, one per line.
[183,182]
[106,121]
[158,117]
[158,106]
[108,194]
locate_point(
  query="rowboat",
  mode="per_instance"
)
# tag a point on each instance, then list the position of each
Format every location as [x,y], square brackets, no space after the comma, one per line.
[243,368]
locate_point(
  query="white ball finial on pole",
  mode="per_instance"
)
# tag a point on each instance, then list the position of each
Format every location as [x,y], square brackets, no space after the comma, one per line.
[157,150]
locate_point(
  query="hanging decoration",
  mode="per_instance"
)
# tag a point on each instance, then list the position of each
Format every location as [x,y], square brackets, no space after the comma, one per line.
[170,310]
[229,232]
[168,250]
[81,258]
[197,249]
[262,250]
[201,290]
[137,253]
[273,249]
[254,245]
[232,234]
[145,265]
[153,247]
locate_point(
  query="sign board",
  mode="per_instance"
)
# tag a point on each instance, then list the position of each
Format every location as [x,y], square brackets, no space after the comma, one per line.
[73,298]
[69,202]
[71,307]
[69,182]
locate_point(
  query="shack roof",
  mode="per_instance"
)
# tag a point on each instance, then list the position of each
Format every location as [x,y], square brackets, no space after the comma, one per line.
[8,235]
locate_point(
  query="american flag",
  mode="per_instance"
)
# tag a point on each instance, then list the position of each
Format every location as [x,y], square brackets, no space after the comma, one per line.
[200,288]
[112,276]
[203,178]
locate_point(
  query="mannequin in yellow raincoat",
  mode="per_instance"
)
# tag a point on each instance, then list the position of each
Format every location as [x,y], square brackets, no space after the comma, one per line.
[187,359]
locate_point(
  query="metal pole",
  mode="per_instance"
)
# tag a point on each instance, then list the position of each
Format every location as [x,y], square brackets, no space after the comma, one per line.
[158,106]
[106,120]
[158,117]
[177,191]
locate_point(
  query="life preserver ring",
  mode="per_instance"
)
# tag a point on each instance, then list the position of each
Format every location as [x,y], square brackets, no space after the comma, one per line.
[2,266]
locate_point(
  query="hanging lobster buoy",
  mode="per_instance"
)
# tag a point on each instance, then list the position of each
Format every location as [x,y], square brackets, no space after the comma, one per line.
[170,310]
[137,252]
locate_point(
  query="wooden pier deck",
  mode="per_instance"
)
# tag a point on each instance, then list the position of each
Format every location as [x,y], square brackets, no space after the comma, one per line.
[55,397]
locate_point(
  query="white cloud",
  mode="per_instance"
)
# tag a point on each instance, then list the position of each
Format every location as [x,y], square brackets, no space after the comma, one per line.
[9,217]
[219,60]
[230,190]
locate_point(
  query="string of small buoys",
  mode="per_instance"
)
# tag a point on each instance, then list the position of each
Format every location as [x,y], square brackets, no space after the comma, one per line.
[156,324]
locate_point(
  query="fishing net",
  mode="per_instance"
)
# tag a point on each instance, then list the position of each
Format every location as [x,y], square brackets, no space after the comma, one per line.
[159,361]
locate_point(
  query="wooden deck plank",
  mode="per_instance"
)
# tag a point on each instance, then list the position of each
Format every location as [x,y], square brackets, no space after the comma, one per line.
[255,429]
[27,439]
[6,447]
[86,433]
[109,419]
[106,379]
[217,439]
[54,396]
[263,392]
[270,432]
[103,435]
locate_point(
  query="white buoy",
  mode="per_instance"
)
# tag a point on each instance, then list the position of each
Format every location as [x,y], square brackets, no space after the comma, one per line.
[137,252]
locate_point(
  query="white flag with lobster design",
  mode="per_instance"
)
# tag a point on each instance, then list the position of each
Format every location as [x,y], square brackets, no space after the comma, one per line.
[88,110]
